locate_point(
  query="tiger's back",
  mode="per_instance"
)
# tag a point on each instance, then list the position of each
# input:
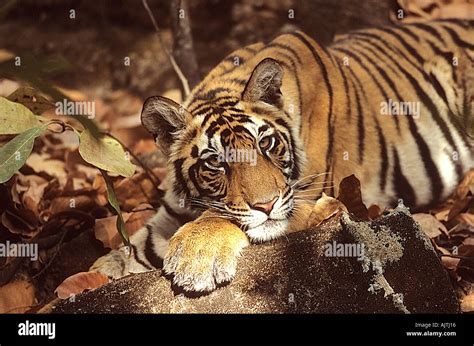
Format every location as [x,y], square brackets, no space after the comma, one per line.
[390,105]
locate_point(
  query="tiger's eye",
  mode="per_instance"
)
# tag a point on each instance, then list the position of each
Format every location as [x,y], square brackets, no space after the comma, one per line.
[266,143]
[213,162]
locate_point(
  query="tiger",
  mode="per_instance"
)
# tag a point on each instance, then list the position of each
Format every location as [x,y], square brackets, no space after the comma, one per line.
[392,105]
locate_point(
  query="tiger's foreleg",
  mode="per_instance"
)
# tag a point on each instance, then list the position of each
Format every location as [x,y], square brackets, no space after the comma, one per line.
[308,215]
[203,253]
[148,246]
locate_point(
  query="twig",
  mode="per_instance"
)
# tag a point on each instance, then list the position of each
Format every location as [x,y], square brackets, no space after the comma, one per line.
[176,68]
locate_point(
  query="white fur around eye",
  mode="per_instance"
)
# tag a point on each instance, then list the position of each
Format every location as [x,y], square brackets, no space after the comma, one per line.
[272,143]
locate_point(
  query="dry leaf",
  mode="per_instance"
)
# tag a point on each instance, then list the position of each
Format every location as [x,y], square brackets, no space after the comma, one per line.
[374,211]
[450,263]
[466,185]
[80,282]
[430,225]
[325,208]
[16,297]
[42,164]
[81,202]
[106,229]
[467,303]
[466,218]
[350,195]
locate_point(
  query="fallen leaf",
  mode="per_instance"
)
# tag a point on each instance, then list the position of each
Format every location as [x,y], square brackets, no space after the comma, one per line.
[324,208]
[466,218]
[351,196]
[467,303]
[16,297]
[32,196]
[42,164]
[430,225]
[64,203]
[80,282]
[31,99]
[466,185]
[458,207]
[106,229]
[450,263]
[374,211]
[466,249]
[137,190]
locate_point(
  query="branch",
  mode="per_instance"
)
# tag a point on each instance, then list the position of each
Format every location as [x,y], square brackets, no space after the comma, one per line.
[177,69]
[183,48]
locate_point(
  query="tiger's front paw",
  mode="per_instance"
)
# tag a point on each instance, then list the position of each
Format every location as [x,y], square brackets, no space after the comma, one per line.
[203,254]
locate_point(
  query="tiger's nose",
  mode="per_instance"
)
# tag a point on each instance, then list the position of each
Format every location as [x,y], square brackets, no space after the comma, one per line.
[265,207]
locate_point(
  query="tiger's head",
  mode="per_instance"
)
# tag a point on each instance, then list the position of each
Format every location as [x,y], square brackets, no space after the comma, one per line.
[235,153]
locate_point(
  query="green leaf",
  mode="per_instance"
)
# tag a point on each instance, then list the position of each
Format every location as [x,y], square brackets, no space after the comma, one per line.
[112,198]
[105,153]
[15,118]
[13,155]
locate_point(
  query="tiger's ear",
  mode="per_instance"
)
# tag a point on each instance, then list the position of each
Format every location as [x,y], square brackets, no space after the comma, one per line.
[163,118]
[265,83]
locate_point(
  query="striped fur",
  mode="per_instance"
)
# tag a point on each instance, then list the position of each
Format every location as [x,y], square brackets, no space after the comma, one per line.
[313,115]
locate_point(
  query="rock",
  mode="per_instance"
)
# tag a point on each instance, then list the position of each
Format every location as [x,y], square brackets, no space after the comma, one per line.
[396,270]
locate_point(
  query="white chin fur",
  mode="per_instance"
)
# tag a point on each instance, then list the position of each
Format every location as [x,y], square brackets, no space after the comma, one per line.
[268,230]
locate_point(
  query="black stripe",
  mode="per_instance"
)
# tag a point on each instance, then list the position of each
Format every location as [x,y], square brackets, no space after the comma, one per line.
[439,89]
[222,101]
[296,169]
[407,30]
[179,185]
[423,96]
[380,71]
[346,91]
[284,47]
[135,256]
[430,30]
[425,154]
[381,138]
[181,218]
[360,125]
[427,158]
[455,37]
[150,254]
[384,156]
[211,94]
[406,45]
[402,186]
[328,85]
[448,56]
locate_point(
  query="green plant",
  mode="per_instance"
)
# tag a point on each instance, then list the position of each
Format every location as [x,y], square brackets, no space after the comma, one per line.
[96,148]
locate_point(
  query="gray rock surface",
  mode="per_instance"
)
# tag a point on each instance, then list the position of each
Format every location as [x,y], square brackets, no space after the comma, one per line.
[397,272]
